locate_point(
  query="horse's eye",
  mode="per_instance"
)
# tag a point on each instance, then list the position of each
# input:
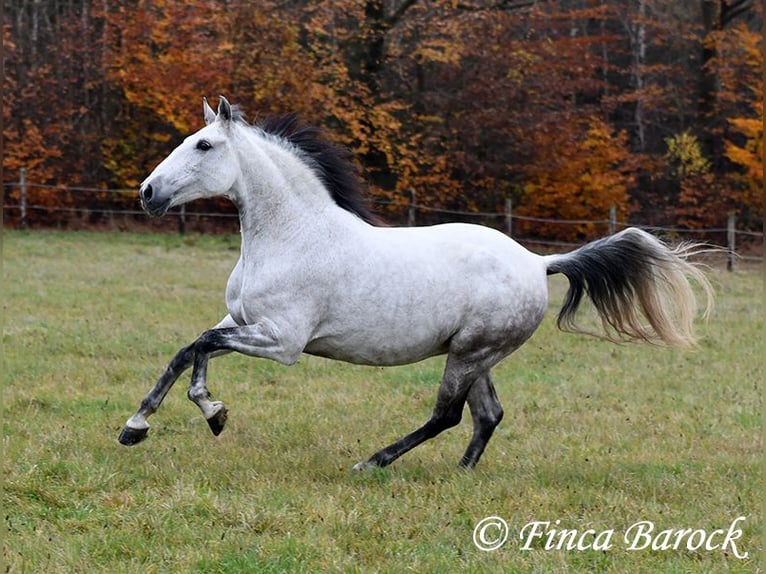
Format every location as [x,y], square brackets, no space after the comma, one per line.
[203,145]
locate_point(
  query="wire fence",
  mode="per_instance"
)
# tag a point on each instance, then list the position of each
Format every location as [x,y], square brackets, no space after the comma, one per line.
[27,204]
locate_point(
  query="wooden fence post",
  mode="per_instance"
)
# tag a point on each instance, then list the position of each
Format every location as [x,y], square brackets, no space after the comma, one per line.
[182,220]
[23,198]
[412,209]
[731,238]
[612,219]
[509,217]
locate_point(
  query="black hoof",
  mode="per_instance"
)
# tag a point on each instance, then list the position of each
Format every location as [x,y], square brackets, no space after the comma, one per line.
[130,436]
[218,420]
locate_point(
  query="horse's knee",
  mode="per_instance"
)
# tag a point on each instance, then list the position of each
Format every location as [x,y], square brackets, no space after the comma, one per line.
[208,342]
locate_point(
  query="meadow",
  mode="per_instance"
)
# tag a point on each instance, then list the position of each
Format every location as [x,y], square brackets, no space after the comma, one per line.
[596,435]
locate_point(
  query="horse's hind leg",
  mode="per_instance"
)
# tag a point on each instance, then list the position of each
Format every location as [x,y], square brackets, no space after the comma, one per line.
[446,414]
[486,413]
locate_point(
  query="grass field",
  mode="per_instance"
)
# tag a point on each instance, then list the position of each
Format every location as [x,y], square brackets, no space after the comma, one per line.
[596,435]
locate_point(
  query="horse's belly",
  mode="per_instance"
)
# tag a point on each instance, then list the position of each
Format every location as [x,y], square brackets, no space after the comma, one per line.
[381,346]
[371,355]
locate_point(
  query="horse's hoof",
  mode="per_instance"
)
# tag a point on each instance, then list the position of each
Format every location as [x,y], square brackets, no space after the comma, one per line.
[130,436]
[218,420]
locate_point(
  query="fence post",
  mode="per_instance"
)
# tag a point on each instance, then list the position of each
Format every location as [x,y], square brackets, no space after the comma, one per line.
[412,209]
[509,217]
[731,235]
[23,198]
[612,219]
[182,220]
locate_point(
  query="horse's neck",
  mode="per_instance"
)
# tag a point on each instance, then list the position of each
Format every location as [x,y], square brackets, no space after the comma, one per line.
[278,196]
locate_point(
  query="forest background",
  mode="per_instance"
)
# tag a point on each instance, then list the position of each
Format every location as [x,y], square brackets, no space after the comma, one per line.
[567,107]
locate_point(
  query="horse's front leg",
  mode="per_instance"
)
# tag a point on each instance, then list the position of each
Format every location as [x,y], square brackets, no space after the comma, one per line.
[137,427]
[215,412]
[259,340]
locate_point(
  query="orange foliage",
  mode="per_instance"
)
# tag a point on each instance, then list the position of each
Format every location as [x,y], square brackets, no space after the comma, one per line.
[745,147]
[466,103]
[578,175]
[749,155]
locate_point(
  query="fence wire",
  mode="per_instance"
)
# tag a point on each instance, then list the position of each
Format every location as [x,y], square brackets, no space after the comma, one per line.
[20,203]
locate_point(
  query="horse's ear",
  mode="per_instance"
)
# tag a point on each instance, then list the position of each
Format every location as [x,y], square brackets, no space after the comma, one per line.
[208,112]
[224,109]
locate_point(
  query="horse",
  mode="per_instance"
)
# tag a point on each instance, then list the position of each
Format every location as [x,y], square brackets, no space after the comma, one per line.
[319,274]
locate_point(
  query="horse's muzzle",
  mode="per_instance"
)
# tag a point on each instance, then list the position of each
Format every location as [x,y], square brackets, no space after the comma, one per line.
[151,201]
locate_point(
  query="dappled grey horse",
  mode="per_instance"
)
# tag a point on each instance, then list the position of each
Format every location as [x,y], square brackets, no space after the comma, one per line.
[316,275]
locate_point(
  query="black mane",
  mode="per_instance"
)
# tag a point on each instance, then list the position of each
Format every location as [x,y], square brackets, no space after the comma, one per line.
[334,164]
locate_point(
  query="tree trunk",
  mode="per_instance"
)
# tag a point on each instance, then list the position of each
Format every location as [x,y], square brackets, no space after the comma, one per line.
[716,16]
[639,57]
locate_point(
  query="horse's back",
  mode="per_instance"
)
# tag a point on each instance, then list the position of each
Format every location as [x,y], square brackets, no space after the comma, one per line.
[470,256]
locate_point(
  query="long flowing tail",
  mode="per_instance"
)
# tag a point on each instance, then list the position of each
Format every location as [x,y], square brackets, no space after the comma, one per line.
[640,287]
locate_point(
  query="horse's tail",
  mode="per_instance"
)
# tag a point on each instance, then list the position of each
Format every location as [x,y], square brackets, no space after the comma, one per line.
[639,286]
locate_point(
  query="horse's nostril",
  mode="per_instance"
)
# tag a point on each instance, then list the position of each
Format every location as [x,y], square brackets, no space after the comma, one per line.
[147,193]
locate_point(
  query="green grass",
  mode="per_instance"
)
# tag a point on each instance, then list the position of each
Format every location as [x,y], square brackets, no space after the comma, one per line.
[596,435]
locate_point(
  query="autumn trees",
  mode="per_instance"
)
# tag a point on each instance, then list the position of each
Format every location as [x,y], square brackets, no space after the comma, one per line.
[566,106]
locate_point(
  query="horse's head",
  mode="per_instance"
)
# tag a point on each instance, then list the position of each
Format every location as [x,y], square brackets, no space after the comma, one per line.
[204,165]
